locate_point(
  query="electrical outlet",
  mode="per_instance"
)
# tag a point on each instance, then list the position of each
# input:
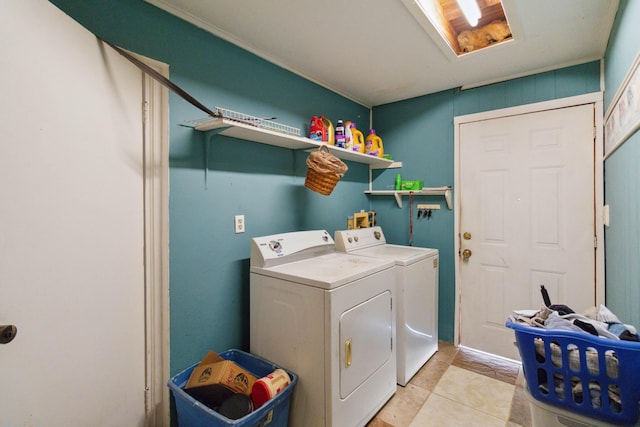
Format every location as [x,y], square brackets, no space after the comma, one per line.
[240,224]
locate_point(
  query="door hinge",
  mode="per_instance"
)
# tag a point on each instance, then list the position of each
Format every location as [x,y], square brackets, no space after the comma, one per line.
[147,400]
[595,242]
[595,132]
[145,112]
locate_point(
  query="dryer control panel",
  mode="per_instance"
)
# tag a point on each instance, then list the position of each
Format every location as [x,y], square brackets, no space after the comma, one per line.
[359,238]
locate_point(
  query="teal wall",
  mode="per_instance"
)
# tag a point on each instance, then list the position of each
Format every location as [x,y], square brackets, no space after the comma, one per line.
[419,132]
[622,179]
[209,264]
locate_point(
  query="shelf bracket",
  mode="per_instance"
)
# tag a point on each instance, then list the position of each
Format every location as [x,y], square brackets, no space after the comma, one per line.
[447,197]
[209,135]
[398,197]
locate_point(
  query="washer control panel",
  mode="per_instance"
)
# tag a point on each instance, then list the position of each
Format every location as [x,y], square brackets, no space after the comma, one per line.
[279,248]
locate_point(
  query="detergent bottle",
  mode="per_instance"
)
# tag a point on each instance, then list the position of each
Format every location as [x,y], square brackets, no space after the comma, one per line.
[340,136]
[373,144]
[330,132]
[348,136]
[358,139]
[317,129]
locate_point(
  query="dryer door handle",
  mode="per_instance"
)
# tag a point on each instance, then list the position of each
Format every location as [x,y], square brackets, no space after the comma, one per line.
[347,353]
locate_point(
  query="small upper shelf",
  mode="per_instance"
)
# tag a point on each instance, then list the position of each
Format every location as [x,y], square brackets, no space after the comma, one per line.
[426,191]
[235,129]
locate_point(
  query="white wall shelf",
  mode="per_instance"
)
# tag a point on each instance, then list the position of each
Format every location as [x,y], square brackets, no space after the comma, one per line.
[426,191]
[235,129]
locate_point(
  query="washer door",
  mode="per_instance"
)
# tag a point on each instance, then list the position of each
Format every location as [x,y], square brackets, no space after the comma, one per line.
[366,332]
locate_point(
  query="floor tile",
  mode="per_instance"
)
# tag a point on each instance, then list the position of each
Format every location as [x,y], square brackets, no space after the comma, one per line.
[446,352]
[429,375]
[459,387]
[520,410]
[477,391]
[403,406]
[377,422]
[438,411]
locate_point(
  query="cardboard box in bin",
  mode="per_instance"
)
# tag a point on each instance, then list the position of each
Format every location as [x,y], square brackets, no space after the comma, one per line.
[215,379]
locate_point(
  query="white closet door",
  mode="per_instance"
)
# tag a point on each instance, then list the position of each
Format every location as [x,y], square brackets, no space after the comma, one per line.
[71,239]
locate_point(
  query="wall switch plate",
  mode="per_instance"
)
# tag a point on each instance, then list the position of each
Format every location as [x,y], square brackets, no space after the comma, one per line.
[432,207]
[239,224]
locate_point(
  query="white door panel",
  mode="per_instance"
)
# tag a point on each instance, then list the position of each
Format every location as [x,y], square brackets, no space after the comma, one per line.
[71,242]
[527,200]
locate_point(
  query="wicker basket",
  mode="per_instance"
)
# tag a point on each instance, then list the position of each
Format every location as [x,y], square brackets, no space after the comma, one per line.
[324,170]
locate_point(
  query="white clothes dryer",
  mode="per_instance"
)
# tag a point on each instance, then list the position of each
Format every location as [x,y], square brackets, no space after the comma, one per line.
[330,318]
[416,291]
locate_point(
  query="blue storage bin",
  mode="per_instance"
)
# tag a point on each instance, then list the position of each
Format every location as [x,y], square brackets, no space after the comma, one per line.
[274,413]
[559,365]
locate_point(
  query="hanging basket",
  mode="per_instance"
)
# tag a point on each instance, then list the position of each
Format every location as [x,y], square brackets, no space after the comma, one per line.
[324,170]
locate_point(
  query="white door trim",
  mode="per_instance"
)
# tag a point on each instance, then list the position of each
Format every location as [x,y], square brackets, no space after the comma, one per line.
[156,240]
[596,99]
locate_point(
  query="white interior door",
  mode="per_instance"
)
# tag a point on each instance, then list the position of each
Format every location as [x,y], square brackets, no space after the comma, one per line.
[527,217]
[71,240]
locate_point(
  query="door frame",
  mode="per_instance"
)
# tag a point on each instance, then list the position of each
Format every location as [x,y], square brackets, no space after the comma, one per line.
[156,243]
[596,99]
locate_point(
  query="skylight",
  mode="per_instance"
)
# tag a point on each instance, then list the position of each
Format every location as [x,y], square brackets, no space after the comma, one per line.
[485,25]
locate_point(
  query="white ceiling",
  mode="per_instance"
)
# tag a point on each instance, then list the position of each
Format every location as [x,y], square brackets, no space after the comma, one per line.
[376,51]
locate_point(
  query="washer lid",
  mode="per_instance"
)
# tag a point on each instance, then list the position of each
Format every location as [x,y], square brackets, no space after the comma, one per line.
[327,271]
[402,255]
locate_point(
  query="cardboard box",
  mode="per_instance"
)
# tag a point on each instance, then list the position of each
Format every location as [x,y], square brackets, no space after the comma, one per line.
[216,379]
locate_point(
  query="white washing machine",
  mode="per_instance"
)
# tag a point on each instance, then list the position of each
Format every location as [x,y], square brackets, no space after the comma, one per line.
[330,318]
[416,290]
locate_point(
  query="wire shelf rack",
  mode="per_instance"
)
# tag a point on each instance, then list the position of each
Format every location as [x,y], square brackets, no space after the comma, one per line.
[259,122]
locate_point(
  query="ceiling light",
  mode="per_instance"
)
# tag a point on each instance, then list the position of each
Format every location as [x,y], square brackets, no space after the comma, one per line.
[470,10]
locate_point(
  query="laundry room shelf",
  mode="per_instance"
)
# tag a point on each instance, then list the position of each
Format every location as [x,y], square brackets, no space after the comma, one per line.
[426,191]
[235,129]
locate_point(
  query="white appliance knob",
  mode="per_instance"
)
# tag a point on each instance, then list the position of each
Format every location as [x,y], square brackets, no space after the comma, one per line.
[275,246]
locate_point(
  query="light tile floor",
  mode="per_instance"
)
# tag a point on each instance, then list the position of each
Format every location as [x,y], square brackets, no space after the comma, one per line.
[459,387]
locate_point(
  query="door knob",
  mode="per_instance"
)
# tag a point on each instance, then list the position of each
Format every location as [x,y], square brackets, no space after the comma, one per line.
[7,333]
[466,254]
[466,235]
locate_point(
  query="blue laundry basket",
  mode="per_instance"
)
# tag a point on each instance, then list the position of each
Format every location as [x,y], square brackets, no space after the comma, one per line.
[559,363]
[274,413]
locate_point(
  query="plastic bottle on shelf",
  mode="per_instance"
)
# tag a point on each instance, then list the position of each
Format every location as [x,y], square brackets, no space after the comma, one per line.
[358,139]
[348,136]
[330,131]
[340,136]
[317,129]
[373,144]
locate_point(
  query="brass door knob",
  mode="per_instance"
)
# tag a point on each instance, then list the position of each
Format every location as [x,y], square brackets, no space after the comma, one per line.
[466,254]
